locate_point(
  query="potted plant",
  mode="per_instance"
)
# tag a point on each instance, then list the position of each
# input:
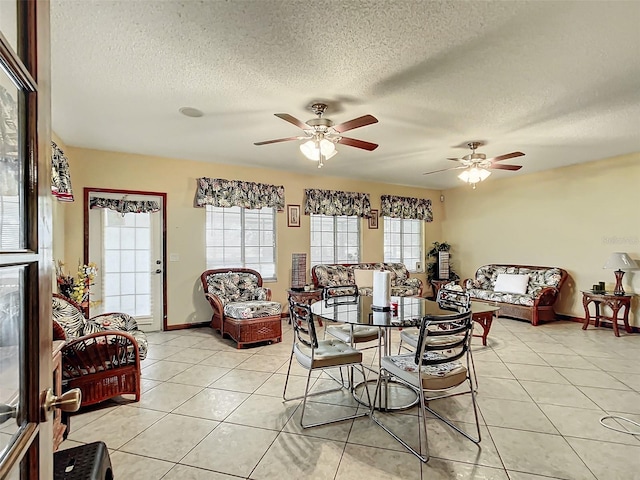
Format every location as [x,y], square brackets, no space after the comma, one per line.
[432,265]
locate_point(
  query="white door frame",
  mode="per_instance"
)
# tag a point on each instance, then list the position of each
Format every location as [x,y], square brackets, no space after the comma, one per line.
[163,230]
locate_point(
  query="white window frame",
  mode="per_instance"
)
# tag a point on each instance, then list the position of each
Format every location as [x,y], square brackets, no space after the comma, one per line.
[399,239]
[329,240]
[215,239]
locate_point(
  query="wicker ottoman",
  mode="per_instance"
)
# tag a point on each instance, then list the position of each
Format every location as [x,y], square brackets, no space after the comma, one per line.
[253,330]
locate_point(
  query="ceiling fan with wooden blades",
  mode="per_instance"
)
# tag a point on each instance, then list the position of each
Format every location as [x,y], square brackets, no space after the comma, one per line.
[476,166]
[321,134]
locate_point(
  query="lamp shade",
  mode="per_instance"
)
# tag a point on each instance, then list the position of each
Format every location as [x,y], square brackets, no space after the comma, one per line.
[312,149]
[474,175]
[620,261]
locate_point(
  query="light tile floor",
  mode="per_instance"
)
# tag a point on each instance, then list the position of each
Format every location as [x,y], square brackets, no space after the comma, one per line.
[210,411]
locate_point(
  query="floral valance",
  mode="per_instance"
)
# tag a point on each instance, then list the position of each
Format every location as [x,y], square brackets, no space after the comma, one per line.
[234,193]
[335,202]
[60,177]
[406,207]
[123,206]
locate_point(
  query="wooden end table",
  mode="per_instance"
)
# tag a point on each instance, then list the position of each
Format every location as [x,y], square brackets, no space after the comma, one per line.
[483,314]
[614,302]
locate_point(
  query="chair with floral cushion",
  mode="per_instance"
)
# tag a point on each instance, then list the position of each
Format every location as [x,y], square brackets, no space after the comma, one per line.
[242,307]
[436,369]
[102,354]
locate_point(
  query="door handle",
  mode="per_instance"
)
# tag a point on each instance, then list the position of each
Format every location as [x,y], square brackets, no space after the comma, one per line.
[67,402]
[158,270]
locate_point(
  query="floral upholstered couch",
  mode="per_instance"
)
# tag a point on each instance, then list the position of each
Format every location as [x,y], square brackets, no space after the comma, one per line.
[242,307]
[541,288]
[68,315]
[344,278]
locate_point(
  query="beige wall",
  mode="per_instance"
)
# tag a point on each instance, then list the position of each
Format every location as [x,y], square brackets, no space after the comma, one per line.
[185,224]
[571,217]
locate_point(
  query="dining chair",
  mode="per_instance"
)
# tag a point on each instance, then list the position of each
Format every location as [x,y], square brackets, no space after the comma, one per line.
[350,334]
[438,366]
[448,300]
[314,354]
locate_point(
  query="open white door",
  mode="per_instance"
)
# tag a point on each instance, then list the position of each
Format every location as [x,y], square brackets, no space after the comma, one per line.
[128,250]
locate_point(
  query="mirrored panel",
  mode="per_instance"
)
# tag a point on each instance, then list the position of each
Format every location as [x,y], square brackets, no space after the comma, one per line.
[11,168]
[11,324]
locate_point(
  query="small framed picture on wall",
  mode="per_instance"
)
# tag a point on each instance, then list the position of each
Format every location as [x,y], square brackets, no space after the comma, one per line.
[293,215]
[373,219]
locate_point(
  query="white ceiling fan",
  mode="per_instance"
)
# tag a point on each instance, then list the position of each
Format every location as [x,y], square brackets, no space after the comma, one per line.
[322,135]
[476,166]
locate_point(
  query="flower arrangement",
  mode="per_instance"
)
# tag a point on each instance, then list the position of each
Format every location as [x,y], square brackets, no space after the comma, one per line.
[76,288]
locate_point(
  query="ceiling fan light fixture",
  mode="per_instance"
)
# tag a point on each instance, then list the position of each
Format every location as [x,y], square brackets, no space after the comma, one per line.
[474,175]
[313,149]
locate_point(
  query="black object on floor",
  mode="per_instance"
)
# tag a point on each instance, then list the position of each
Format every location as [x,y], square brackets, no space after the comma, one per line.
[86,462]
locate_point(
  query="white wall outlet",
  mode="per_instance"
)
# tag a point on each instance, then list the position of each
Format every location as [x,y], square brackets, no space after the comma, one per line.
[418,266]
[174,257]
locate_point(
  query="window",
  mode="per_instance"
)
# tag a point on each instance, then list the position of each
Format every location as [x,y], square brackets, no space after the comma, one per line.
[403,242]
[242,238]
[335,239]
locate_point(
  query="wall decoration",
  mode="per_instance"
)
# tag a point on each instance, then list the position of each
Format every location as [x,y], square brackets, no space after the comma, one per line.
[298,271]
[293,215]
[373,220]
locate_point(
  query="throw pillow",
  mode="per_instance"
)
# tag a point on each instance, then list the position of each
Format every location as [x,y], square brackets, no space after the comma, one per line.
[511,283]
[363,278]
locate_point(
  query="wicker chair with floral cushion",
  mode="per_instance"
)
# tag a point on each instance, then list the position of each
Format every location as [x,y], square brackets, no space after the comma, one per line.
[242,307]
[102,355]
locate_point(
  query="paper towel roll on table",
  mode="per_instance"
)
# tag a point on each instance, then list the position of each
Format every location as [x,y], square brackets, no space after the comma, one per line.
[381,290]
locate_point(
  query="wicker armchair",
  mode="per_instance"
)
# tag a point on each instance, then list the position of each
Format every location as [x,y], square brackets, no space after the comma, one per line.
[99,358]
[242,307]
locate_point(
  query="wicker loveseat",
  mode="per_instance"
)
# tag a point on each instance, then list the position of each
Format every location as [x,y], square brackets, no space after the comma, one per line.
[361,274]
[242,307]
[101,355]
[535,305]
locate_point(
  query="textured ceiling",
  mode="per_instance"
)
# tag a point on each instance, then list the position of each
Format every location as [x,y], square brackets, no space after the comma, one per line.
[559,81]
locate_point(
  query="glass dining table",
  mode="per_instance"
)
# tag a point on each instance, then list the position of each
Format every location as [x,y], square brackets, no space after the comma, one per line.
[360,311]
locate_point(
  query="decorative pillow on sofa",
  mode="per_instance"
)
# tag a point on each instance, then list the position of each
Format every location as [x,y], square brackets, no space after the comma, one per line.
[511,283]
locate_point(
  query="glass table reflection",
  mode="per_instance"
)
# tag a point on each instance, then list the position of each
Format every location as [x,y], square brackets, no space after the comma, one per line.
[360,311]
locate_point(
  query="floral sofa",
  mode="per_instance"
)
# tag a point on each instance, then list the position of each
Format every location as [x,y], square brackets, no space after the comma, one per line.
[343,277]
[242,307]
[535,304]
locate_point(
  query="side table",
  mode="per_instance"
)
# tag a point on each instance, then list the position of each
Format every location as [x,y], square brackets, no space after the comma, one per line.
[306,296]
[614,302]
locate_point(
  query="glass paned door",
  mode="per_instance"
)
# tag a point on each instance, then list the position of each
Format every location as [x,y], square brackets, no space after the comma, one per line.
[128,252]
[26,437]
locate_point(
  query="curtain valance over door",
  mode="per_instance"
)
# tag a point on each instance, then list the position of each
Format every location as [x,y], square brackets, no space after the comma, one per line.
[123,206]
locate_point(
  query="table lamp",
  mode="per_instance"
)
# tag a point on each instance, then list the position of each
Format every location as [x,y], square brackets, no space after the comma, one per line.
[620,261]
